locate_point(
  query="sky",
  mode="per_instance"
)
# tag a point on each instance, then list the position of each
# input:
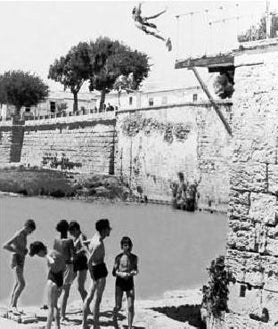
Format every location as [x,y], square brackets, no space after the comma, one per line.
[34,34]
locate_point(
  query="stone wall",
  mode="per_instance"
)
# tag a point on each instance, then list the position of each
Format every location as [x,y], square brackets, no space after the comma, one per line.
[5,142]
[147,147]
[252,245]
[154,144]
[81,143]
[84,143]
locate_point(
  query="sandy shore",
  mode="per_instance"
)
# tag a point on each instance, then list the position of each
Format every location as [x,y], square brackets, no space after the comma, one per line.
[177,310]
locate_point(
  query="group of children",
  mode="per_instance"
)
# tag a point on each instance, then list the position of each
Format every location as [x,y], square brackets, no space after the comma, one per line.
[71,258]
[185,195]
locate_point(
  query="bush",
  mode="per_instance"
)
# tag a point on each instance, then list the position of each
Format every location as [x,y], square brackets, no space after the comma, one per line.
[215,294]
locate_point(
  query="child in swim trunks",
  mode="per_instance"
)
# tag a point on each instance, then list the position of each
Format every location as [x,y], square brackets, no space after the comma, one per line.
[65,246]
[56,264]
[18,246]
[97,270]
[125,268]
[80,261]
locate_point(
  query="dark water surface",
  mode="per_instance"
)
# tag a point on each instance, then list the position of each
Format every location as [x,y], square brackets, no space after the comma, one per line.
[174,247]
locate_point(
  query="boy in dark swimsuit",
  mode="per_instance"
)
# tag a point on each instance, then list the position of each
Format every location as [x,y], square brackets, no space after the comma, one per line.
[18,246]
[65,246]
[80,261]
[97,269]
[125,268]
[56,264]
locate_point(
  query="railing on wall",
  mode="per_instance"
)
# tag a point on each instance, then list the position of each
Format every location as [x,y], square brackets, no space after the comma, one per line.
[210,32]
[90,113]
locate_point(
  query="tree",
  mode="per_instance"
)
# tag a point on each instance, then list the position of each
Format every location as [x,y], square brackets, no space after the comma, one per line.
[224,84]
[20,88]
[124,83]
[258,32]
[112,59]
[72,70]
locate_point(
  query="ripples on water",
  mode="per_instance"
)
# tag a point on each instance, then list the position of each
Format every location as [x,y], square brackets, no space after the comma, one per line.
[174,247]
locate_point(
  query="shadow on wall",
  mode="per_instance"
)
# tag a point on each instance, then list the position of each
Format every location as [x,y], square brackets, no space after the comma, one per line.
[112,154]
[17,141]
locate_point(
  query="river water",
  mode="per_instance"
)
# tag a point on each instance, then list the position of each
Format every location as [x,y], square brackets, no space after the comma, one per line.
[174,247]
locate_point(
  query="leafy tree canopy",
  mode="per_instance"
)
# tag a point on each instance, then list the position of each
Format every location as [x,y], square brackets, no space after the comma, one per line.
[224,84]
[112,59]
[20,88]
[73,69]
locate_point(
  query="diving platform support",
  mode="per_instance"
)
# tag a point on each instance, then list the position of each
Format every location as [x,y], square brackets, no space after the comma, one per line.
[213,103]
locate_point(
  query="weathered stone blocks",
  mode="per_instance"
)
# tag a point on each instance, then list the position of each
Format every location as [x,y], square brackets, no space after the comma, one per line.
[253,220]
[243,300]
[273,178]
[263,208]
[248,177]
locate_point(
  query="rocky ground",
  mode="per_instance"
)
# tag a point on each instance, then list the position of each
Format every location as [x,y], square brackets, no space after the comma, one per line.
[177,310]
[53,183]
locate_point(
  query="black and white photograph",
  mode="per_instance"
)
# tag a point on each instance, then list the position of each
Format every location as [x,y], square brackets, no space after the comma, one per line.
[139,164]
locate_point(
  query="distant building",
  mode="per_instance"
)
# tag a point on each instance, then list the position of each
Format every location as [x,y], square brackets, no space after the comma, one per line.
[61,101]
[57,101]
[148,97]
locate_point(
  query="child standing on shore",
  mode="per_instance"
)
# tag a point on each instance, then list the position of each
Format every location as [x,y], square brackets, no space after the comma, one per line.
[65,246]
[125,268]
[56,264]
[18,246]
[80,261]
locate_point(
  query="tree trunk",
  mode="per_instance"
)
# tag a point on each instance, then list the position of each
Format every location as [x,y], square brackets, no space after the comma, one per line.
[16,115]
[119,96]
[75,102]
[102,99]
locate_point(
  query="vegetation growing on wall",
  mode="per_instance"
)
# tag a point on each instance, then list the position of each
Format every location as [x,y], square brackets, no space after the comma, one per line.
[133,125]
[215,294]
[224,84]
[258,31]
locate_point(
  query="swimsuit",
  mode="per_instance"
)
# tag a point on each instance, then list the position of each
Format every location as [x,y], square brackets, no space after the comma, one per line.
[57,277]
[80,263]
[17,260]
[125,263]
[125,284]
[99,271]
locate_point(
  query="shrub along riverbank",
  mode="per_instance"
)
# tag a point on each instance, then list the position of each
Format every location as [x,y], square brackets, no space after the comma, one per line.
[37,181]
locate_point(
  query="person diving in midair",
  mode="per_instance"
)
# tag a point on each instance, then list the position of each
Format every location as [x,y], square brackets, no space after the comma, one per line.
[143,24]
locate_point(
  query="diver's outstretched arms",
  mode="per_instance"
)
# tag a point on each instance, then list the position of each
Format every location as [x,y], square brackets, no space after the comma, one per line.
[156,15]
